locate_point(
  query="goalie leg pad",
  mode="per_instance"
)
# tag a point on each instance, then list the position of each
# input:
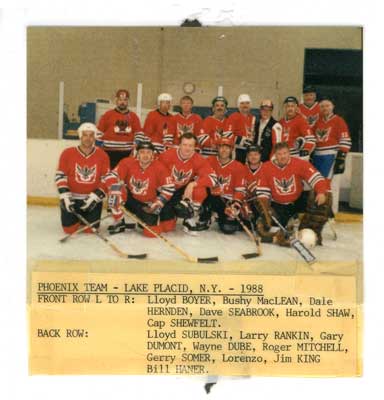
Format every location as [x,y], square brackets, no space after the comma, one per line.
[315,217]
[263,207]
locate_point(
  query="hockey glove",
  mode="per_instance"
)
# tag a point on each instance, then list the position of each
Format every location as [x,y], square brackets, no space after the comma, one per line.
[232,210]
[92,200]
[66,202]
[263,206]
[339,166]
[115,198]
[153,208]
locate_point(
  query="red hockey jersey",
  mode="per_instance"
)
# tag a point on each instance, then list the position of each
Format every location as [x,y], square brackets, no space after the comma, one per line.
[285,185]
[160,129]
[252,179]
[81,174]
[184,171]
[295,128]
[145,185]
[242,125]
[311,114]
[332,135]
[212,130]
[230,177]
[191,123]
[120,130]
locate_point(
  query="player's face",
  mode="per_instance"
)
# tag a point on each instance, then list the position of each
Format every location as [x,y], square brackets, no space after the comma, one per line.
[87,139]
[187,147]
[282,156]
[309,98]
[326,108]
[145,156]
[186,106]
[245,107]
[122,102]
[219,108]
[253,157]
[265,112]
[290,109]
[165,106]
[224,151]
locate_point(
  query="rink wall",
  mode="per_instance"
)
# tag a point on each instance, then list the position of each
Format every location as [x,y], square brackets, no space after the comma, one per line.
[43,156]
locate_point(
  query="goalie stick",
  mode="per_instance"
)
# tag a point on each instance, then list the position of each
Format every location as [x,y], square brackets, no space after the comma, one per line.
[252,237]
[168,242]
[297,244]
[106,240]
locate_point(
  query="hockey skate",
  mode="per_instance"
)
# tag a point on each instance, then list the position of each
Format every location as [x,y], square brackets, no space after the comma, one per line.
[120,227]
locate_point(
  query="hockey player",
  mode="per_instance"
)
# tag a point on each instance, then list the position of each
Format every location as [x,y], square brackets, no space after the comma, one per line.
[333,141]
[242,123]
[192,175]
[309,109]
[149,188]
[227,198]
[186,121]
[214,127]
[280,191]
[267,131]
[81,179]
[296,131]
[120,128]
[159,126]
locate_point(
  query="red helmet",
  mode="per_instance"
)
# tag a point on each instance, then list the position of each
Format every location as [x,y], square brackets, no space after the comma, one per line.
[225,142]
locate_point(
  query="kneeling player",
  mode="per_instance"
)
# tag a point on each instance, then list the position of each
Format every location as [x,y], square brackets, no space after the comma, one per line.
[280,192]
[149,188]
[227,198]
[81,179]
[192,175]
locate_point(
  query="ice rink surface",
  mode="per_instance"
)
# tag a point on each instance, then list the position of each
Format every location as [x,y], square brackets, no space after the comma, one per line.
[44,231]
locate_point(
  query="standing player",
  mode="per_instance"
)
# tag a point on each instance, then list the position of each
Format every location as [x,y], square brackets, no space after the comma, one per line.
[192,176]
[310,109]
[121,129]
[243,126]
[227,198]
[159,126]
[333,141]
[280,191]
[214,127]
[81,179]
[186,121]
[267,131]
[149,188]
[296,131]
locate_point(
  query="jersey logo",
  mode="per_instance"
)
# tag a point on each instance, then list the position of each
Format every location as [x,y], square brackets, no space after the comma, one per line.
[138,186]
[122,127]
[181,177]
[181,129]
[312,119]
[285,186]
[224,181]
[85,174]
[323,134]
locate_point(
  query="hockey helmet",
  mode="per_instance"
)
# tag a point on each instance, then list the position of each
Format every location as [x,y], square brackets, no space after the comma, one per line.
[266,103]
[291,99]
[86,126]
[164,97]
[243,98]
[253,147]
[145,145]
[220,98]
[309,89]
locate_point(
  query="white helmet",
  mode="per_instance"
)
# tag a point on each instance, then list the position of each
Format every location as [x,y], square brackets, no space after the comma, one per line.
[86,126]
[243,98]
[164,97]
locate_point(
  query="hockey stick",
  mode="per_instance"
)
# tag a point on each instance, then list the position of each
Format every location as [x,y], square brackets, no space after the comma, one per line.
[82,229]
[168,242]
[106,240]
[252,237]
[297,244]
